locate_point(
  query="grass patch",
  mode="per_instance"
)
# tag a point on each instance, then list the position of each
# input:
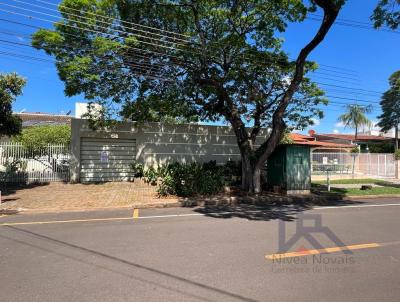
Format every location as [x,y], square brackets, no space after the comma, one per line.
[353,181]
[388,189]
[373,191]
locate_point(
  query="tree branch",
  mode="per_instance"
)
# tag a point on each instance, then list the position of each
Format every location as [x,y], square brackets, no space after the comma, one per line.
[331,10]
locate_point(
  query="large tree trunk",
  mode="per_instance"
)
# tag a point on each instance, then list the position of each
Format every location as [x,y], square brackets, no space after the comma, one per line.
[251,174]
[396,138]
[247,171]
[331,10]
[251,167]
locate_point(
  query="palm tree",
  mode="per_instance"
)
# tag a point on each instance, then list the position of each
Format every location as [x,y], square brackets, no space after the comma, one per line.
[355,117]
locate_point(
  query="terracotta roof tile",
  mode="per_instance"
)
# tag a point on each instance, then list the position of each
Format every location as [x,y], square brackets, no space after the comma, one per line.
[38,118]
[352,137]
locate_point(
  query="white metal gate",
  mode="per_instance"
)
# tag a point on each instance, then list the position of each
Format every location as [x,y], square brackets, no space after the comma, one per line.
[22,164]
[358,164]
[107,159]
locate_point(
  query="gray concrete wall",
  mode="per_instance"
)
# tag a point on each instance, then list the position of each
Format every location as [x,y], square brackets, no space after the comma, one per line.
[158,144]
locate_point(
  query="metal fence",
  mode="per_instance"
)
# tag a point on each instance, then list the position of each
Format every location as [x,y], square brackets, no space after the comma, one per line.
[20,164]
[354,164]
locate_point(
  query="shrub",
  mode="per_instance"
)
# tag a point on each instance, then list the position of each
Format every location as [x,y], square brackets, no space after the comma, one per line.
[189,179]
[397,154]
[151,175]
[233,168]
[137,170]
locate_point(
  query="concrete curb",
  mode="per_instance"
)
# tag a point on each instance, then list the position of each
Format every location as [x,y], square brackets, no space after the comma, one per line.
[72,210]
[202,202]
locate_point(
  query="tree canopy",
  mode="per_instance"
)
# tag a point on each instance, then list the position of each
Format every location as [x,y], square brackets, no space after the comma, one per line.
[36,138]
[390,105]
[200,60]
[11,86]
[355,117]
[387,13]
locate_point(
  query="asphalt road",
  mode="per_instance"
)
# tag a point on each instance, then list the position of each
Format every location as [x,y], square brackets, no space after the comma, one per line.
[202,255]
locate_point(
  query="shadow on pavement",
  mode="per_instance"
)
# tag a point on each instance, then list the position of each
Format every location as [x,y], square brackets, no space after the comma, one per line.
[8,189]
[281,211]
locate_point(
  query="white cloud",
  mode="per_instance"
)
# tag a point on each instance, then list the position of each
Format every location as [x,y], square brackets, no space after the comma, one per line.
[335,131]
[339,125]
[20,39]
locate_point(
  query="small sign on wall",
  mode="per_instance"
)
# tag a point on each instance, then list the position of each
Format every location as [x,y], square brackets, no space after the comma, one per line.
[104,157]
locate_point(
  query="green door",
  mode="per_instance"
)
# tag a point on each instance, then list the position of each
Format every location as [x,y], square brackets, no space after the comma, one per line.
[298,168]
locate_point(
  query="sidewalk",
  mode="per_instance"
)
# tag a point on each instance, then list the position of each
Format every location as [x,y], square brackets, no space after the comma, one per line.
[61,196]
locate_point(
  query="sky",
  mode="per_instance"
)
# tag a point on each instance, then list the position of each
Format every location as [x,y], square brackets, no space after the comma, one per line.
[355,62]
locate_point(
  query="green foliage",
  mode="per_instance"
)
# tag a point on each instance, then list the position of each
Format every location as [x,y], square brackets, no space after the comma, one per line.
[37,138]
[154,110]
[235,47]
[138,170]
[381,148]
[397,154]
[355,117]
[213,60]
[355,150]
[151,175]
[11,86]
[390,104]
[286,139]
[387,13]
[190,179]
[233,168]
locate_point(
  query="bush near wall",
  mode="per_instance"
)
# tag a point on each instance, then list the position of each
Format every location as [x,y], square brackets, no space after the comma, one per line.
[192,178]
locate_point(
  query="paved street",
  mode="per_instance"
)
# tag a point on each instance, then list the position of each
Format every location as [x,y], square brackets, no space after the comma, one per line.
[183,254]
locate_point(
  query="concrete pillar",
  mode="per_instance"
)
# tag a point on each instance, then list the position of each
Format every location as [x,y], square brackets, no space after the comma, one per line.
[74,164]
[397,169]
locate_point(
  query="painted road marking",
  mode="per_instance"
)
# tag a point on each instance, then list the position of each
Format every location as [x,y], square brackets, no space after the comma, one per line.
[359,206]
[94,219]
[64,221]
[135,213]
[183,215]
[322,251]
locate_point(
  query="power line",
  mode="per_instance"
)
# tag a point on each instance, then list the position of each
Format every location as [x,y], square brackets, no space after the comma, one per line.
[140,49]
[353,24]
[333,79]
[144,69]
[141,66]
[150,66]
[38,60]
[351,99]
[152,28]
[84,23]
[329,74]
[88,24]
[350,88]
[19,23]
[146,65]
[28,37]
[357,93]
[91,31]
[122,21]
